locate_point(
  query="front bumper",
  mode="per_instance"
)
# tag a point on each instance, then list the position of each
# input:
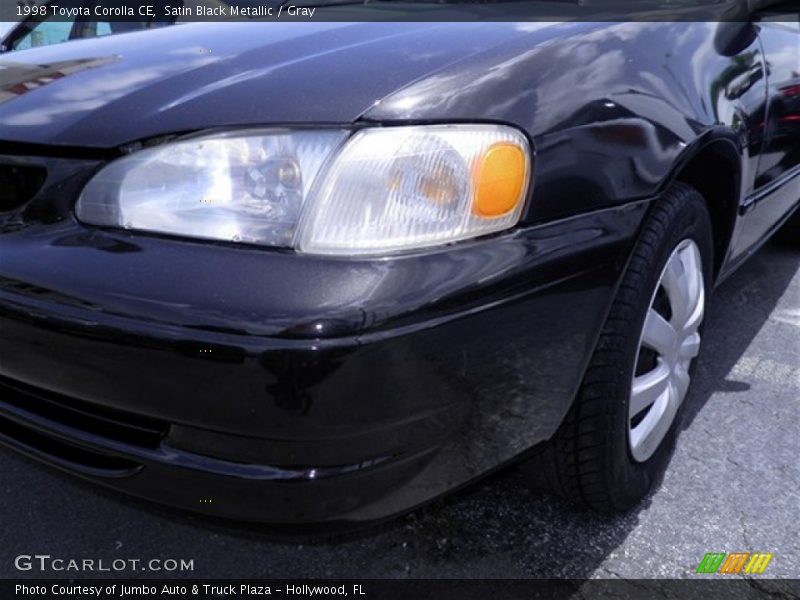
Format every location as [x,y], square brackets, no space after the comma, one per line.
[273,387]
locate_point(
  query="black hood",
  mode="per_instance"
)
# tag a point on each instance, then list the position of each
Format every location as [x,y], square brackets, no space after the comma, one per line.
[110,91]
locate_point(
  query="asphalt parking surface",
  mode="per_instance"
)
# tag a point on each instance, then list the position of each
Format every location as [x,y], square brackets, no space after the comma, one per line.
[733,485]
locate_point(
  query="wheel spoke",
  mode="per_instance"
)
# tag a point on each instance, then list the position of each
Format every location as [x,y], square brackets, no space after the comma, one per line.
[677,285]
[696,310]
[696,306]
[695,318]
[681,379]
[690,346]
[658,335]
[648,388]
[646,436]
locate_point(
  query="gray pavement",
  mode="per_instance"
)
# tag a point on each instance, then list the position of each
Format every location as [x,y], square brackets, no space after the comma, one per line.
[733,485]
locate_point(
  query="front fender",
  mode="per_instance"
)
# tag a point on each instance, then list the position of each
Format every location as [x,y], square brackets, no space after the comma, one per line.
[611,107]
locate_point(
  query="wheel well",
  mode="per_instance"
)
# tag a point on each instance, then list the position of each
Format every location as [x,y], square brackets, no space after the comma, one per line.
[715,172]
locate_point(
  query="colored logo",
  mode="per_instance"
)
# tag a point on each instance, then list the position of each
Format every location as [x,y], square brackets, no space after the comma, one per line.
[721,563]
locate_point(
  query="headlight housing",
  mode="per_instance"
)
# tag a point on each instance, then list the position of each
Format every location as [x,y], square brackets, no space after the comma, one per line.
[385,189]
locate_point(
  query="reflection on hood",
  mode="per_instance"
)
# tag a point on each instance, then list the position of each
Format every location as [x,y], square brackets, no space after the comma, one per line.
[17,79]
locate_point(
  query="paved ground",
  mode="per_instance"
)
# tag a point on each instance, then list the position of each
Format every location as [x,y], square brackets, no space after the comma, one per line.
[733,485]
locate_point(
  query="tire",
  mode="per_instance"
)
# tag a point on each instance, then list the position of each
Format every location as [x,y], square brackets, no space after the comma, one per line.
[597,458]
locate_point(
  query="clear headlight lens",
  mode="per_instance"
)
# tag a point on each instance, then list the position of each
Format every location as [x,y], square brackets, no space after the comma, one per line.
[237,187]
[385,190]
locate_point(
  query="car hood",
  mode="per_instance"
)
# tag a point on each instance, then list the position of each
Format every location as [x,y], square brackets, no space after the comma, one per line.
[110,91]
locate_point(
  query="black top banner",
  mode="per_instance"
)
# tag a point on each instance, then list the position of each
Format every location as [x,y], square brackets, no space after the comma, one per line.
[153,13]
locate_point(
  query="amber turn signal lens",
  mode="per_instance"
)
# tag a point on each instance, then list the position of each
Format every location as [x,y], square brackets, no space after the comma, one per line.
[500,179]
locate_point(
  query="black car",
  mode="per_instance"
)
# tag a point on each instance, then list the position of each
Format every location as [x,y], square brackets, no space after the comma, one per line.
[321,273]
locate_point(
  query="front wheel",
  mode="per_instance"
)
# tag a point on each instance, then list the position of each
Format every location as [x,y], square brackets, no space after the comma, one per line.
[616,440]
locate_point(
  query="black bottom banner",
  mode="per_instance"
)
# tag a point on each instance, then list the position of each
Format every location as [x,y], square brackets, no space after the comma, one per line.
[372,589]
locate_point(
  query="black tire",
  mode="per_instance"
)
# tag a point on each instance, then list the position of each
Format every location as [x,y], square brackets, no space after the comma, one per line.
[589,459]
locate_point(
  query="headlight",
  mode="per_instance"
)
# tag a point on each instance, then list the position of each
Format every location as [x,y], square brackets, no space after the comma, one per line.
[384,190]
[239,187]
